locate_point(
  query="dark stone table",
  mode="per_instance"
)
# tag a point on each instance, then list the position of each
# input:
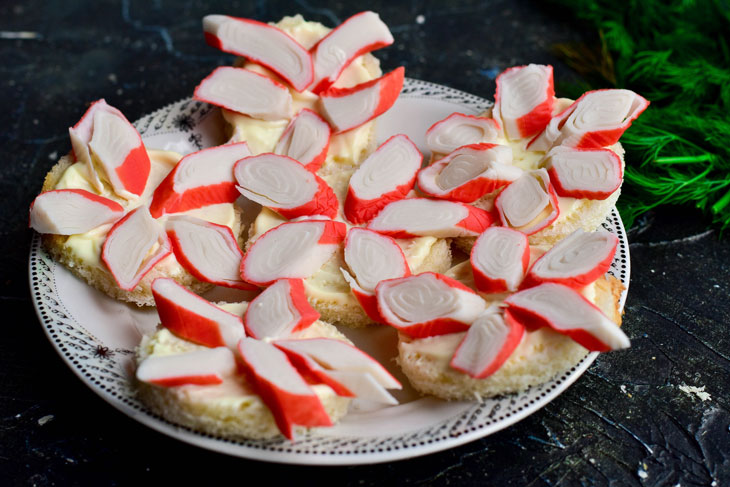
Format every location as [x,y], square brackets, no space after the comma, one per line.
[656,414]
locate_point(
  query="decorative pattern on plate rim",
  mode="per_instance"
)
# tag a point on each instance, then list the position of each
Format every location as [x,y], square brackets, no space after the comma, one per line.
[97,363]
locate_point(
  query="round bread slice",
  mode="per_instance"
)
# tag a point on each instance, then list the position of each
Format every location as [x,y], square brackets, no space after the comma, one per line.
[231,409]
[95,272]
[542,355]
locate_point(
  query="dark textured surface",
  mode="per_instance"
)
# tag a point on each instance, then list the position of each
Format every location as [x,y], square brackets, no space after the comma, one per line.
[625,422]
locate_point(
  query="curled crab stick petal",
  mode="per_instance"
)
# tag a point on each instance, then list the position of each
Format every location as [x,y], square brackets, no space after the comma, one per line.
[566,311]
[199,179]
[469,173]
[458,130]
[133,246]
[112,149]
[417,217]
[584,173]
[247,92]
[263,44]
[291,250]
[387,175]
[279,311]
[529,203]
[72,211]
[487,345]
[596,119]
[499,259]
[360,34]
[576,261]
[280,386]
[207,250]
[348,108]
[192,318]
[428,304]
[524,99]
[201,367]
[306,140]
[284,185]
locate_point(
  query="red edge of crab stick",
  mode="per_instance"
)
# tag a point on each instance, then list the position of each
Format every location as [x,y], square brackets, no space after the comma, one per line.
[136,227]
[369,32]
[260,321]
[200,367]
[217,161]
[264,42]
[191,317]
[280,386]
[49,214]
[540,112]
[337,102]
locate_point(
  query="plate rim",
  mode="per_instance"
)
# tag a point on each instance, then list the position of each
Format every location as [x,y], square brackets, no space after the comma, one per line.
[236,448]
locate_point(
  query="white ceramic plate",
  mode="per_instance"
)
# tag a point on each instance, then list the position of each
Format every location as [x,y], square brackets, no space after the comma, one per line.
[96,335]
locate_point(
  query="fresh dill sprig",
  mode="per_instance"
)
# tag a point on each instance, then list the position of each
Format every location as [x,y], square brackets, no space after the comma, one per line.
[674,53]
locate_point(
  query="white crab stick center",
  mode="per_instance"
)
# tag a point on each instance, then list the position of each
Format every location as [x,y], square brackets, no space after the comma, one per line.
[264,44]
[70,212]
[289,250]
[133,246]
[521,90]
[394,164]
[210,249]
[373,258]
[273,313]
[458,130]
[567,310]
[359,34]
[199,367]
[423,217]
[277,181]
[305,139]
[499,254]
[527,204]
[577,254]
[270,364]
[184,312]
[577,171]
[467,164]
[208,167]
[245,92]
[424,298]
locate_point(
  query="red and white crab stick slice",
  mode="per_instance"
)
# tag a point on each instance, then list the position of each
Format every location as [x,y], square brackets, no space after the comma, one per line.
[596,119]
[199,179]
[388,174]
[247,92]
[499,259]
[104,137]
[372,258]
[207,250]
[306,140]
[576,261]
[529,203]
[280,386]
[133,246]
[360,34]
[566,311]
[524,99]
[72,211]
[292,250]
[469,173]
[201,367]
[419,217]
[348,108]
[428,304]
[279,311]
[263,44]
[487,345]
[594,174]
[345,368]
[458,130]
[191,317]
[284,185]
